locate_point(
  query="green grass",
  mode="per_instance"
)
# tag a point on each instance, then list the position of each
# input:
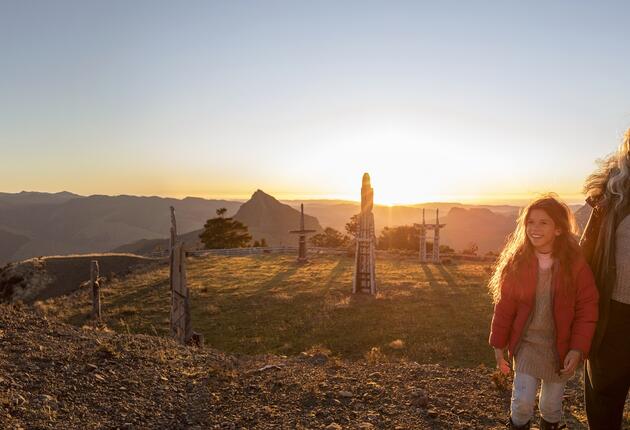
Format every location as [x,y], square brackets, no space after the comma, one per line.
[270,304]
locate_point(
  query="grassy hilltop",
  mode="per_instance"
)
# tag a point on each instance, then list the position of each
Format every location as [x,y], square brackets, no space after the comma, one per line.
[269,304]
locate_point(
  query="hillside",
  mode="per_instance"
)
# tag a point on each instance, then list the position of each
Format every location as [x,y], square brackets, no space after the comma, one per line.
[45,277]
[53,375]
[38,224]
[487,229]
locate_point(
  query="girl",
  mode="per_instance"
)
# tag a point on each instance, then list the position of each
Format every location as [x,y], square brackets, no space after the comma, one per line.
[545,310]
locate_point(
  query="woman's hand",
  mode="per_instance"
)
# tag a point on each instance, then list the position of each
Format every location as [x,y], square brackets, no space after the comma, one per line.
[571,362]
[502,363]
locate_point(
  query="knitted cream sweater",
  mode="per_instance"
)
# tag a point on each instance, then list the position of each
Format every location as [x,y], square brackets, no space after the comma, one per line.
[536,355]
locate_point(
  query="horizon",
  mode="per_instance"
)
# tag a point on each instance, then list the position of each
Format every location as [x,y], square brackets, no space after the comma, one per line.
[510,201]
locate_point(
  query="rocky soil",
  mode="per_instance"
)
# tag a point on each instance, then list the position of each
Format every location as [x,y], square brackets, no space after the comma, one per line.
[53,376]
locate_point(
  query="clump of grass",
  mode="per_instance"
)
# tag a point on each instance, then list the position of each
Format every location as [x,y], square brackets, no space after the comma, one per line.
[375,356]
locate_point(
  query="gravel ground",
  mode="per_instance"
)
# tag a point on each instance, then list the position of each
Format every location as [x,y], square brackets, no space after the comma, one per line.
[54,376]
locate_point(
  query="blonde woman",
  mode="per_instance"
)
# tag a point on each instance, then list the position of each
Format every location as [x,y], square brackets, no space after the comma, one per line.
[606,245]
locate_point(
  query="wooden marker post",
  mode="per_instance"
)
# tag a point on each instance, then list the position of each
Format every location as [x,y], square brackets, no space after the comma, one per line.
[181,328]
[96,290]
[302,240]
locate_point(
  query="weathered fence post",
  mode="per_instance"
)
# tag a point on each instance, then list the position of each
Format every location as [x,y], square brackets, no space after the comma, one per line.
[181,328]
[96,290]
[302,240]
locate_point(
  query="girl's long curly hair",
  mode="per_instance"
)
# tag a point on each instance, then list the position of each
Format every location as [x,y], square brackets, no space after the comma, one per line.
[518,249]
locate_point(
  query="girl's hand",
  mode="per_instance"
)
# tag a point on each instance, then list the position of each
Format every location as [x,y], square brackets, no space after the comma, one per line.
[502,363]
[571,362]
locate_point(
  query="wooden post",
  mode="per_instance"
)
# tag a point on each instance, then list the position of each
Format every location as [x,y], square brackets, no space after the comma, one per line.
[436,238]
[302,238]
[423,240]
[96,290]
[181,328]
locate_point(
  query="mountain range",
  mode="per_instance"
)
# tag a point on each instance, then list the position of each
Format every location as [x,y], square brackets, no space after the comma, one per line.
[36,224]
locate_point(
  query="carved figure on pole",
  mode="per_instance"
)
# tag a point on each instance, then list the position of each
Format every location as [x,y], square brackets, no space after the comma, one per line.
[364,279]
[302,238]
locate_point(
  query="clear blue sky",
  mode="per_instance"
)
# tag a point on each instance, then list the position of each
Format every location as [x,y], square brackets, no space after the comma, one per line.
[469,100]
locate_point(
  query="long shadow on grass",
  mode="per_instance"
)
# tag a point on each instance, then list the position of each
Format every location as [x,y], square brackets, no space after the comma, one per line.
[429,275]
[336,272]
[139,294]
[278,278]
[446,275]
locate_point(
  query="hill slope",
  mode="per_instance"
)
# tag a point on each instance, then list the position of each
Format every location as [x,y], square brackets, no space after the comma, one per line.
[46,277]
[58,376]
[52,224]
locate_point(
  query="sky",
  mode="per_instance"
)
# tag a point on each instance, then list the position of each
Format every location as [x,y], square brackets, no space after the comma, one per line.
[471,101]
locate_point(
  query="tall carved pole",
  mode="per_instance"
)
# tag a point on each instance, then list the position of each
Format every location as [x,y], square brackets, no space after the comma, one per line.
[96,290]
[364,279]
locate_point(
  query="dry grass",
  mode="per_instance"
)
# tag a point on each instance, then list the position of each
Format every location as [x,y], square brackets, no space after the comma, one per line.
[270,304]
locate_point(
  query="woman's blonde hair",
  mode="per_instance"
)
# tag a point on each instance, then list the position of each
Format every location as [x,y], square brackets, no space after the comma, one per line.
[610,181]
[609,186]
[518,249]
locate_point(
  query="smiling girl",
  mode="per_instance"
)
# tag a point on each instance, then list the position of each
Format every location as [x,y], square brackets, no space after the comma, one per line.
[545,310]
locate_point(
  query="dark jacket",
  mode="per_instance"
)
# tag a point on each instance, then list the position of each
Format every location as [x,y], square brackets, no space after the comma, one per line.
[574,310]
[605,272]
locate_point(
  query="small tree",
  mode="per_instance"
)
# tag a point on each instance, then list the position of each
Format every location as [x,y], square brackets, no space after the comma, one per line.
[352,226]
[223,232]
[330,238]
[401,237]
[262,243]
[446,249]
[471,249]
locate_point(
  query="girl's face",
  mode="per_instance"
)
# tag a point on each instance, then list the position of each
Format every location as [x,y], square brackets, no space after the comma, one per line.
[541,230]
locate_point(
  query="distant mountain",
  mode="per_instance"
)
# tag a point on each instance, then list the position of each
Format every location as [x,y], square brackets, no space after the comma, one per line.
[36,224]
[481,226]
[267,218]
[35,198]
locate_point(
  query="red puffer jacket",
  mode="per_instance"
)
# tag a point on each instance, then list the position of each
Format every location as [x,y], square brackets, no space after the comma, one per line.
[574,309]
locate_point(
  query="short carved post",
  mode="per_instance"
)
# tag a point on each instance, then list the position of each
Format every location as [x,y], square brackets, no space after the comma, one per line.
[96,290]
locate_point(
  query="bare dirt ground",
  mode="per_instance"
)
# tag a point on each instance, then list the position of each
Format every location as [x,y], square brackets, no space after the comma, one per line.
[54,375]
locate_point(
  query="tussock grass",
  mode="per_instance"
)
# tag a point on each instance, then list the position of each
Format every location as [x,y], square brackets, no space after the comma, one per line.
[269,304]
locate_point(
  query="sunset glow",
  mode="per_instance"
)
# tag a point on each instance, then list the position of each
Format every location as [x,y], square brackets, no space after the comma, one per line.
[219,99]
